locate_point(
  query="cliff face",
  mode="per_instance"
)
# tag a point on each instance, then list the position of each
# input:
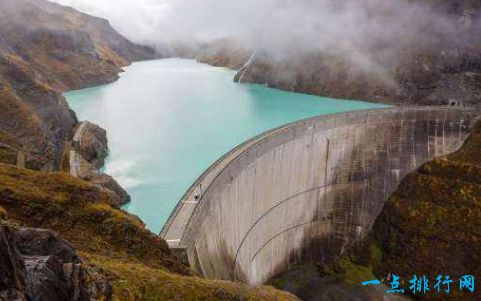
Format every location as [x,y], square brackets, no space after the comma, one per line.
[46,49]
[223,53]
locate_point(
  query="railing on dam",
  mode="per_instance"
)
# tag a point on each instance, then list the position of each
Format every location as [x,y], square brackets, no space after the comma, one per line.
[307,190]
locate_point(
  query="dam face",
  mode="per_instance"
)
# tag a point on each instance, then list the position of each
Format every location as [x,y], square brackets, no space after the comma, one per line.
[305,191]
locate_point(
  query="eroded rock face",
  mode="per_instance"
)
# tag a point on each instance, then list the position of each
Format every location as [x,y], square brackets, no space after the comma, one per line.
[30,241]
[45,278]
[24,130]
[39,265]
[58,49]
[108,182]
[88,156]
[449,76]
[90,141]
[12,267]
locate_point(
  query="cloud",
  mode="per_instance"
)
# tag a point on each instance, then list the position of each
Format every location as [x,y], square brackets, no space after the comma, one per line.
[138,20]
[267,23]
[370,32]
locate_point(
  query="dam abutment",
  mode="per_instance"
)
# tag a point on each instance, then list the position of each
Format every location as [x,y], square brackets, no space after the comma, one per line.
[307,190]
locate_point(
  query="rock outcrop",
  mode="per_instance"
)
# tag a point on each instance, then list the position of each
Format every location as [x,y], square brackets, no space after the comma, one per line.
[92,250]
[42,242]
[87,156]
[222,53]
[39,265]
[46,49]
[12,268]
[90,141]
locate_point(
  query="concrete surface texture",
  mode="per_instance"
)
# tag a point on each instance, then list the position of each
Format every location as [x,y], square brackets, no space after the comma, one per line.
[306,191]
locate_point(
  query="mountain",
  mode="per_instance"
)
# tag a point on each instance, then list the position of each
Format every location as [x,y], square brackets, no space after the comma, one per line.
[46,49]
[62,238]
[63,235]
[429,226]
[433,64]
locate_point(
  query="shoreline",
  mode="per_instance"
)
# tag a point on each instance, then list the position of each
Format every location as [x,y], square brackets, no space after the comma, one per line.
[310,100]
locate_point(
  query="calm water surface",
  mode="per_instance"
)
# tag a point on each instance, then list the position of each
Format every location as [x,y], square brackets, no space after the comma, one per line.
[168,120]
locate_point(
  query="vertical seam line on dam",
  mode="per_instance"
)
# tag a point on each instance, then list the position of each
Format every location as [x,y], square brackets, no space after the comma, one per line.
[294,125]
[255,140]
[338,136]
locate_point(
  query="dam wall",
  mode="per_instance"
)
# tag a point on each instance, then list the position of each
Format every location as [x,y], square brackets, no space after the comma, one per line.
[305,191]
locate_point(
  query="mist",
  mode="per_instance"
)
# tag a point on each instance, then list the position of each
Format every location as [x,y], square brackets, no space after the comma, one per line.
[367,32]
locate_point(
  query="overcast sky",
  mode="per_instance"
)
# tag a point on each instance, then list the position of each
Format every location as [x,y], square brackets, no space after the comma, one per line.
[272,22]
[352,28]
[139,20]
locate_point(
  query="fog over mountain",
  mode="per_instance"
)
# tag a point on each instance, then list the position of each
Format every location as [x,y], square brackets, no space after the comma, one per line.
[367,32]
[269,23]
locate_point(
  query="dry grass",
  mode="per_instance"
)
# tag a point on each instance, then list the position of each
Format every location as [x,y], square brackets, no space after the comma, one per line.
[113,241]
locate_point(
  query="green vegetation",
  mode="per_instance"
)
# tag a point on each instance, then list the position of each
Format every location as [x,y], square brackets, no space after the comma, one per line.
[110,240]
[134,281]
[431,225]
[346,271]
[8,148]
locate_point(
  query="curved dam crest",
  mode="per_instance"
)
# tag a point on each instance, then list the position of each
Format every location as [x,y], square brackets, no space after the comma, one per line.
[168,120]
[306,191]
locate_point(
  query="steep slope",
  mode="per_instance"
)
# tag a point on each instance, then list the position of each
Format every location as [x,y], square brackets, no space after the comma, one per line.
[113,248]
[430,66]
[65,238]
[46,49]
[430,226]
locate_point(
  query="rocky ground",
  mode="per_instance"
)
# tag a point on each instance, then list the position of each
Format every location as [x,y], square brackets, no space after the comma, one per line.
[46,49]
[62,233]
[92,249]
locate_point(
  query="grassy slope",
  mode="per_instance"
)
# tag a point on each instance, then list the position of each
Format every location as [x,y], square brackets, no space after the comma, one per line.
[431,225]
[116,243]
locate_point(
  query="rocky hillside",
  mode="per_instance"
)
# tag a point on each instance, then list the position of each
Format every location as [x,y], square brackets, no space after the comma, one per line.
[62,233]
[429,226]
[46,49]
[91,249]
[425,67]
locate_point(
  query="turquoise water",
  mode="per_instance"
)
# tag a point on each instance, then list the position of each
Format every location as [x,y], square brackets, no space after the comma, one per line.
[169,120]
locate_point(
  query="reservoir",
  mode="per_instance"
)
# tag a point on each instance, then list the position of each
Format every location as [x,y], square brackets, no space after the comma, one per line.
[168,120]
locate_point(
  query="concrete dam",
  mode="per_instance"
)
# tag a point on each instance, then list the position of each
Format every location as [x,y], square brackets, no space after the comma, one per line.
[305,191]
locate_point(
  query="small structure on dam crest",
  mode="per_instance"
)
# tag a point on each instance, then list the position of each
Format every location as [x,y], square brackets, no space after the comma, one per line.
[306,191]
